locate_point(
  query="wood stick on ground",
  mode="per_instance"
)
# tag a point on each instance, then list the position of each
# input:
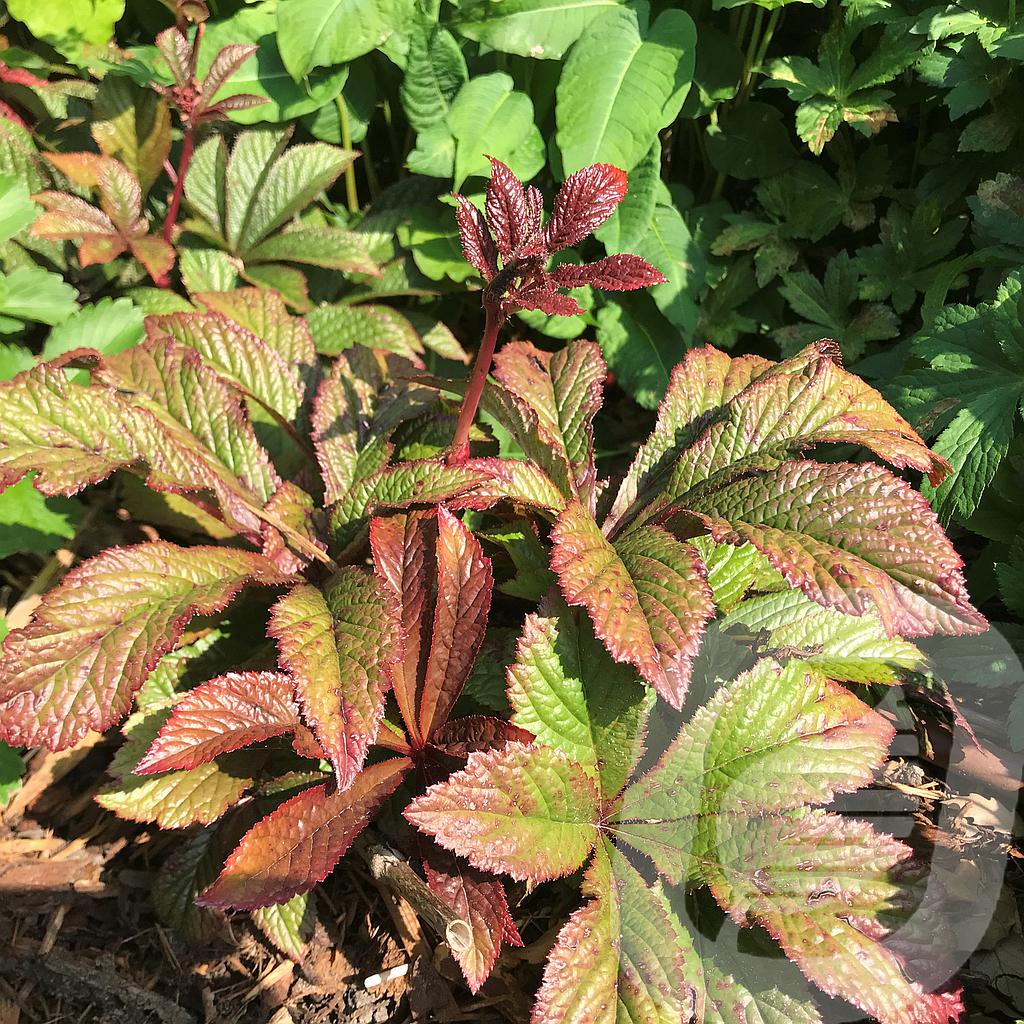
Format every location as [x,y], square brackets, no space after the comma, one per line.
[392,870]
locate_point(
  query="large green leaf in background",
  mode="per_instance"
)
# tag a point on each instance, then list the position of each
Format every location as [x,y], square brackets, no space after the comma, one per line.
[490,116]
[70,26]
[435,72]
[623,82]
[322,33]
[264,74]
[543,29]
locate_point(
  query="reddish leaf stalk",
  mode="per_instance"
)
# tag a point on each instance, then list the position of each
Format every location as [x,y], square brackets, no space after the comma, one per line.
[187,146]
[495,317]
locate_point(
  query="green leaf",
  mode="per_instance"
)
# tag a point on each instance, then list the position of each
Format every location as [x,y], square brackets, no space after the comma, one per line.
[339,327]
[435,72]
[842,647]
[489,116]
[630,222]
[540,29]
[289,926]
[31,523]
[669,246]
[617,958]
[110,325]
[432,235]
[322,33]
[777,737]
[525,811]
[998,208]
[12,768]
[976,376]
[751,143]
[33,294]
[827,305]
[73,26]
[836,89]
[14,359]
[171,799]
[17,211]
[903,263]
[182,877]
[622,83]
[330,248]
[641,347]
[565,689]
[264,74]
[1011,583]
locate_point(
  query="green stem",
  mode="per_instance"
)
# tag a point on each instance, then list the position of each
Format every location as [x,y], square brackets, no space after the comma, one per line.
[1013,14]
[346,141]
[762,50]
[748,62]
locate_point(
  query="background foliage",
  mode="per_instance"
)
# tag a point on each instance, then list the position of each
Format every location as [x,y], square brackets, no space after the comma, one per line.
[797,170]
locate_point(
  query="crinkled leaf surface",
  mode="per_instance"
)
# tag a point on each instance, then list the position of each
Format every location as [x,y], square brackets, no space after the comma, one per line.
[478,899]
[225,714]
[619,957]
[525,811]
[567,691]
[646,595]
[436,569]
[298,844]
[340,646]
[852,537]
[171,799]
[839,646]
[564,390]
[96,637]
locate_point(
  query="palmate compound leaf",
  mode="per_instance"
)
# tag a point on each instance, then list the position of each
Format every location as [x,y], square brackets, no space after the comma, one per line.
[778,738]
[646,594]
[224,714]
[94,639]
[437,572]
[341,646]
[299,843]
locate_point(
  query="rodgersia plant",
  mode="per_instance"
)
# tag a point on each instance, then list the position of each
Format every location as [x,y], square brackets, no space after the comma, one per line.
[824,570]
